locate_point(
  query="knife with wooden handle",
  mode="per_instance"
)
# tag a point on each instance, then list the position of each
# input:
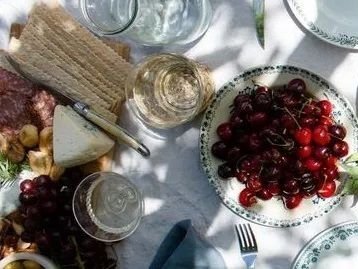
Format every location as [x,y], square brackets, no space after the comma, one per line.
[84,110]
[259,15]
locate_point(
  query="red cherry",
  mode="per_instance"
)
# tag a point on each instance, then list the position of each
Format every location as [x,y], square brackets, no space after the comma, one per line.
[247,198]
[297,85]
[264,194]
[321,136]
[242,176]
[262,89]
[331,161]
[327,190]
[224,131]
[304,152]
[291,187]
[307,122]
[287,121]
[309,109]
[330,174]
[236,121]
[254,183]
[326,121]
[321,153]
[257,119]
[293,201]
[340,149]
[338,131]
[303,136]
[326,107]
[312,164]
[274,188]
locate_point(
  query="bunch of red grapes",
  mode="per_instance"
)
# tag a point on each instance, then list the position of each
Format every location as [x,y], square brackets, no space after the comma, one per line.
[48,220]
[282,143]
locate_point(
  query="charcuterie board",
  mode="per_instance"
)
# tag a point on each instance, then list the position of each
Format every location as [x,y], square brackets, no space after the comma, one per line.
[48,146]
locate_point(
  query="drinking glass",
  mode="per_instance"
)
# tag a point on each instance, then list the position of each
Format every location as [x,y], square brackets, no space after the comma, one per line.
[107,206]
[166,90]
[150,22]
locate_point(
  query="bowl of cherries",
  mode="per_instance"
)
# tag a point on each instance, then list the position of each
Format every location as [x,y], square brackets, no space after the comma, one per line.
[271,144]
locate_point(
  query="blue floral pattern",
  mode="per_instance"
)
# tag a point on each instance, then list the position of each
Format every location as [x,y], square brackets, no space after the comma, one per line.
[324,242]
[340,39]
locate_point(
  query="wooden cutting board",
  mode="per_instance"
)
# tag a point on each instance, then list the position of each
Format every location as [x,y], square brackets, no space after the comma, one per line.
[105,162]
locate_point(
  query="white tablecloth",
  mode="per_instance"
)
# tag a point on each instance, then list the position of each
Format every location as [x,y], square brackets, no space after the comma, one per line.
[172,182]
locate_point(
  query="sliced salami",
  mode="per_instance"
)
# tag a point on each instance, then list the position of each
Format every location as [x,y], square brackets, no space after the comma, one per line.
[21,103]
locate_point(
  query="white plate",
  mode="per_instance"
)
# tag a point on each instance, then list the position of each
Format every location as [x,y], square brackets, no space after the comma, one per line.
[42,260]
[270,213]
[336,247]
[334,21]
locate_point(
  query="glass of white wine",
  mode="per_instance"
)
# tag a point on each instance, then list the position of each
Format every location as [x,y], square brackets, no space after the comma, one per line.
[166,90]
[107,206]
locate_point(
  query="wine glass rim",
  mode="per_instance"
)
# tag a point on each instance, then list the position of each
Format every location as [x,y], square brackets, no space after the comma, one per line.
[121,236]
[98,29]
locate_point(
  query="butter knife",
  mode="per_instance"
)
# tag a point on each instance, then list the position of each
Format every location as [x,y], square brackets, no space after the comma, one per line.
[84,110]
[259,14]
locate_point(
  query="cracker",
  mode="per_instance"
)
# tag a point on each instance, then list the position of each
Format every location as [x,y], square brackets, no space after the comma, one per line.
[57,50]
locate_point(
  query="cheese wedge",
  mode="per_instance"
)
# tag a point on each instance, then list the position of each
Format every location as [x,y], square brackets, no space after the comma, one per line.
[76,141]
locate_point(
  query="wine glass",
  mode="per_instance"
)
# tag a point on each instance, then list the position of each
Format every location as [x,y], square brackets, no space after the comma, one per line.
[107,206]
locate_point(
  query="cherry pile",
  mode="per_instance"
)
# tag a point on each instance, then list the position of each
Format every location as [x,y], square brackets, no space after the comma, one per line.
[48,221]
[281,142]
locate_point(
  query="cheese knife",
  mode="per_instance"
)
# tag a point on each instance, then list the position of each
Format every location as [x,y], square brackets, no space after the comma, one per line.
[84,110]
[259,15]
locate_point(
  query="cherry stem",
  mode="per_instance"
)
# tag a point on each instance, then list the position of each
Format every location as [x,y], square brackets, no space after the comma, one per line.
[239,161]
[292,116]
[285,144]
[309,100]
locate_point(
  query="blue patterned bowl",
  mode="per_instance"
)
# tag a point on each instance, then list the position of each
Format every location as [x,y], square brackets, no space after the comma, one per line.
[271,213]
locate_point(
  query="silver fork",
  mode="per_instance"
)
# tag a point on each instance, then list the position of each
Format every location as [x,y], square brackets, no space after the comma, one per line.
[248,244]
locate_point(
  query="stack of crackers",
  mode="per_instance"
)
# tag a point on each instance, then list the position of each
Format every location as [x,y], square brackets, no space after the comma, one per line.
[56,50]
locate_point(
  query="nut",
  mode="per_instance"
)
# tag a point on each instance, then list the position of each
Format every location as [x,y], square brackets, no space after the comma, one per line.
[16,152]
[46,138]
[40,162]
[29,136]
[17,228]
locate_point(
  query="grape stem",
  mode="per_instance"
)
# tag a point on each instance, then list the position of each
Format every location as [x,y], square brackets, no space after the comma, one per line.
[78,258]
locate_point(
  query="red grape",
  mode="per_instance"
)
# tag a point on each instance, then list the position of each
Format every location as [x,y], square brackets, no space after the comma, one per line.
[27,186]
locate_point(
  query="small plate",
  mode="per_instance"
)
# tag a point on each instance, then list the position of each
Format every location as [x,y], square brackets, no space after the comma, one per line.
[333,21]
[270,213]
[336,247]
[41,260]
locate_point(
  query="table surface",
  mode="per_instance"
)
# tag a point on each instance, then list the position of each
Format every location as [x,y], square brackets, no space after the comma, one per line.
[172,181]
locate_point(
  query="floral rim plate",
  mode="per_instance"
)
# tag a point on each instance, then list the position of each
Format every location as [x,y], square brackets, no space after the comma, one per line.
[270,213]
[335,22]
[324,249]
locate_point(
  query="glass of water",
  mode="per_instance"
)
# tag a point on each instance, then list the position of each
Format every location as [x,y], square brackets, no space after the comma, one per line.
[150,22]
[107,206]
